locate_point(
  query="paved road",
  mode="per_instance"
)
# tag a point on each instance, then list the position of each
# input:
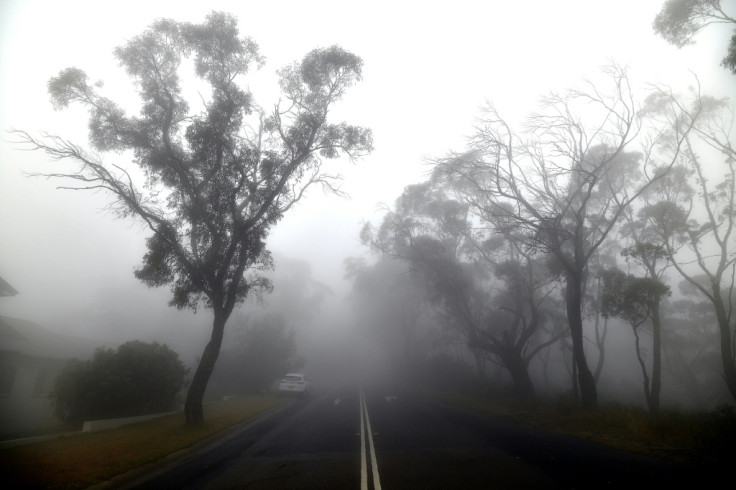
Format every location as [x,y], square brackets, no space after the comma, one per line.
[324,442]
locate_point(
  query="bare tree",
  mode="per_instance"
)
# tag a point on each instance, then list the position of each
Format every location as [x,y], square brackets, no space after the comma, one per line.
[694,215]
[563,182]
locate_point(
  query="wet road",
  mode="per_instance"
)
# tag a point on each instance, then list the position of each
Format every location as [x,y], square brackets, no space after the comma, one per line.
[385,440]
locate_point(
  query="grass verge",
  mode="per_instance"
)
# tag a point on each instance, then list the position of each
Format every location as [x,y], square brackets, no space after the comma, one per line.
[82,460]
[673,435]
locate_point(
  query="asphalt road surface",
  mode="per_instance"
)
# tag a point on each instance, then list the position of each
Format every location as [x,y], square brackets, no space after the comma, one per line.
[350,439]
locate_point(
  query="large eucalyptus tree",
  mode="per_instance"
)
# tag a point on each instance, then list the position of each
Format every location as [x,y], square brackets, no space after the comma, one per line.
[210,180]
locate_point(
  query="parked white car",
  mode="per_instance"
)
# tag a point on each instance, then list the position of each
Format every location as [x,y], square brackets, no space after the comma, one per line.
[294,383]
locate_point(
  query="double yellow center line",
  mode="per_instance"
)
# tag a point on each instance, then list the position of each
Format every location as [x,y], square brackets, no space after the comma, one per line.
[365,428]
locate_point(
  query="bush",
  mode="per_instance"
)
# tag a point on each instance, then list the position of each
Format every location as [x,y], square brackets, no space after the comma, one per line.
[136,379]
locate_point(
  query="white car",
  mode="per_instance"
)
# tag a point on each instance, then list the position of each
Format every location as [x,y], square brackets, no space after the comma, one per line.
[294,383]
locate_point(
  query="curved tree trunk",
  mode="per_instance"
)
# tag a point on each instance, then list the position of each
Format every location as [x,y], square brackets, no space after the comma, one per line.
[523,386]
[642,365]
[574,303]
[195,396]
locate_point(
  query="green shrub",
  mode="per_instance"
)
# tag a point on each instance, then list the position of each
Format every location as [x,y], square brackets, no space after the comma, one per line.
[136,379]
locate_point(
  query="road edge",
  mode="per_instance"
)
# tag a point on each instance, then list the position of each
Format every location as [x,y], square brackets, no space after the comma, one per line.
[139,476]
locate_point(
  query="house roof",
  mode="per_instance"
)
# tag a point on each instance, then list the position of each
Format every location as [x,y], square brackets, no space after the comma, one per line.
[32,339]
[6,289]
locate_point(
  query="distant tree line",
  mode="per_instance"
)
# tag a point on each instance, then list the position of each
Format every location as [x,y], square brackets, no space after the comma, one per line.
[519,252]
[535,237]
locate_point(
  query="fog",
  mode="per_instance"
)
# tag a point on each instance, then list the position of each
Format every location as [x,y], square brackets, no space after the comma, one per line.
[357,316]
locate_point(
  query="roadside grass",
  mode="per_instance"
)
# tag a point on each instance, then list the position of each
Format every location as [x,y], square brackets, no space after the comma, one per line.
[82,460]
[673,435]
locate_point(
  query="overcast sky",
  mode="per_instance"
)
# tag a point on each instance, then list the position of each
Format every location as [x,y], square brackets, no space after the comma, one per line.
[428,66]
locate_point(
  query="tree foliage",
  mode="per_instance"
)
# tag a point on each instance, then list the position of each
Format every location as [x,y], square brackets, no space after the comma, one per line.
[630,298]
[679,21]
[137,378]
[209,182]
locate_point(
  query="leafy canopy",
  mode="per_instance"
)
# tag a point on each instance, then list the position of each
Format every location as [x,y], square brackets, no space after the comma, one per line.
[680,20]
[209,183]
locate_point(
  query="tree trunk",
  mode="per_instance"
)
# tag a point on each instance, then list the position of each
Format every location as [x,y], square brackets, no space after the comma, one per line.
[574,303]
[523,386]
[600,341]
[574,375]
[193,404]
[727,355]
[600,338]
[654,394]
[643,366]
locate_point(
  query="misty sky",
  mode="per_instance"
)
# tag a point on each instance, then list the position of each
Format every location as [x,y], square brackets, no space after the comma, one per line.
[428,67]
